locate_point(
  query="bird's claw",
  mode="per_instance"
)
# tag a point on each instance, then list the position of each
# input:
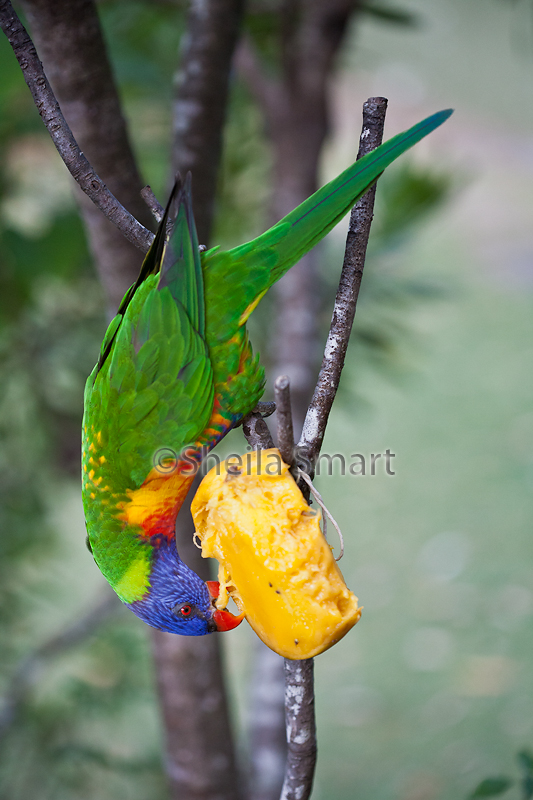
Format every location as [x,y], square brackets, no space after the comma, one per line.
[265,409]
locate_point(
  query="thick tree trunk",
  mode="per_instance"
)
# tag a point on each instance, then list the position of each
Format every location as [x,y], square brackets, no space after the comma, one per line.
[266,723]
[70,43]
[202,98]
[200,755]
[201,762]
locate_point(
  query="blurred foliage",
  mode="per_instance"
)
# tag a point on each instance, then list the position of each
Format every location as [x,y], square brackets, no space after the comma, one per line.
[393,14]
[494,787]
[51,324]
[407,196]
[383,338]
[267,20]
[244,182]
[44,359]
[54,749]
[491,787]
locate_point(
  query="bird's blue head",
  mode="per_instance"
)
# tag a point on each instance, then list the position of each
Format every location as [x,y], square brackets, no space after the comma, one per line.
[179,601]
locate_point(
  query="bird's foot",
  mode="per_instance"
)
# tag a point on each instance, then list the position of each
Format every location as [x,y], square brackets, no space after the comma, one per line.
[265,409]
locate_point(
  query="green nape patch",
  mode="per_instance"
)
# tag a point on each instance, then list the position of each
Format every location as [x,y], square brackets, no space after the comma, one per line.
[134,584]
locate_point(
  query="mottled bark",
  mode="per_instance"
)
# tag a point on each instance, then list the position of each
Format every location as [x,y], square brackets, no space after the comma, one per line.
[201,101]
[282,394]
[316,419]
[301,729]
[70,42]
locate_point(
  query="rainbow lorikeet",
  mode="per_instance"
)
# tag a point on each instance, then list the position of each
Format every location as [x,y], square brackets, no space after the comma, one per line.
[175,373]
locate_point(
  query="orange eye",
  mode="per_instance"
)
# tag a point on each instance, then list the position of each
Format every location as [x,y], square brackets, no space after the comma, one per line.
[186,611]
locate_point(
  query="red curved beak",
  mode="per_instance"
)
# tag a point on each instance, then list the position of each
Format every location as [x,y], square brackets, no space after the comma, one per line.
[224,620]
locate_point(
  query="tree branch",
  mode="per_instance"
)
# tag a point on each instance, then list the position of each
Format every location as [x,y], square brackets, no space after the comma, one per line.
[299,693]
[153,203]
[70,42]
[374,111]
[301,729]
[62,137]
[295,109]
[282,395]
[256,431]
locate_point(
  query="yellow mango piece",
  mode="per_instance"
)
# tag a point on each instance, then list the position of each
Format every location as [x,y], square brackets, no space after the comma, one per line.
[274,560]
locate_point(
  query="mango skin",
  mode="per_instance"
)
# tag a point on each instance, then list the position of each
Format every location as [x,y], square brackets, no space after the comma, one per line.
[274,560]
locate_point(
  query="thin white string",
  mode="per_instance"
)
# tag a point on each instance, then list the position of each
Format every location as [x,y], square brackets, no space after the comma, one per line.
[318,497]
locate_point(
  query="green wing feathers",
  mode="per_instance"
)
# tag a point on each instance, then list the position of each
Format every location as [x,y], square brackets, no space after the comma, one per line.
[153,385]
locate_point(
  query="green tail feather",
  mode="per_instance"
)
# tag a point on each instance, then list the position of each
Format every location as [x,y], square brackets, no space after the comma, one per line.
[253,267]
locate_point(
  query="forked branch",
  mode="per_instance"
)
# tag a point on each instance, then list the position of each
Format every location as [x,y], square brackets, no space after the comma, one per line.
[299,691]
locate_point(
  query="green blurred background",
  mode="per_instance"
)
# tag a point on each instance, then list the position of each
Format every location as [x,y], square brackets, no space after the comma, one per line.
[433,691]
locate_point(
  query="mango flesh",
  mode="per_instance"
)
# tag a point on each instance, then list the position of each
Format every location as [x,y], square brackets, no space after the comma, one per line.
[274,560]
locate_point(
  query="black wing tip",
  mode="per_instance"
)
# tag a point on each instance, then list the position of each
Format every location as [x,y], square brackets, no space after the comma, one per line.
[153,261]
[173,200]
[187,195]
[181,202]
[181,193]
[179,183]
